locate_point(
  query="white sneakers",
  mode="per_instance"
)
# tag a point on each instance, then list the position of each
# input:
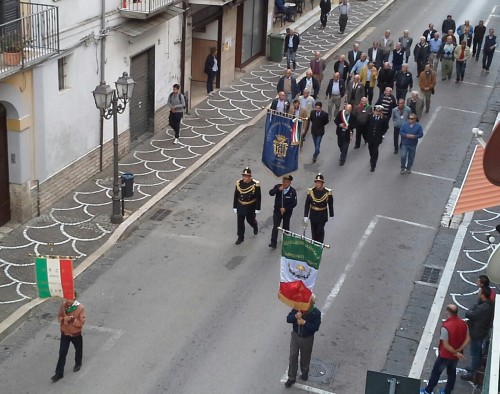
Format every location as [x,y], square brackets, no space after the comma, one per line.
[176,140]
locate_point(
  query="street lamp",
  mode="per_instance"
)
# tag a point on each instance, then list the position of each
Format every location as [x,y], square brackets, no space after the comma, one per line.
[104,97]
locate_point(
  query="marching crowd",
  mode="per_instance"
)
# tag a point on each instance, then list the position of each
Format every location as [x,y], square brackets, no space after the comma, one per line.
[350,100]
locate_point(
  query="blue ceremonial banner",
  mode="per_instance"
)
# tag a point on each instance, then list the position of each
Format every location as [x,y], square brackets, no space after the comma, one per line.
[281,143]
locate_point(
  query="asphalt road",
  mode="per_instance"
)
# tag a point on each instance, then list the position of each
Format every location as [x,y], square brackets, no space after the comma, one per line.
[177,307]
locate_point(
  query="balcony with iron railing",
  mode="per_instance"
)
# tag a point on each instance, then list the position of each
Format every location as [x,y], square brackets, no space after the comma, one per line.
[29,39]
[143,9]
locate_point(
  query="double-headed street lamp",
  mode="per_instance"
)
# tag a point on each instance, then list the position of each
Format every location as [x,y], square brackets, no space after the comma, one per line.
[106,97]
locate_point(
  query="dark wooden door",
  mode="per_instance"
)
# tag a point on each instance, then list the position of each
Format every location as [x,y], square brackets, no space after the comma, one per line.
[4,169]
[142,102]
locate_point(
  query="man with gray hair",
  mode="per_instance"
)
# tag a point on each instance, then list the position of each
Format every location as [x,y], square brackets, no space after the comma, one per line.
[406,42]
[305,324]
[416,104]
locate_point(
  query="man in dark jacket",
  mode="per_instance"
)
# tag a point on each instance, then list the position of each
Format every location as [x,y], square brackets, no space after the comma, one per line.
[318,207]
[346,123]
[477,42]
[288,84]
[281,104]
[285,199]
[334,93]
[318,120]
[377,127]
[404,82]
[325,6]
[448,24]
[480,321]
[305,324]
[292,41]
[343,67]
[310,83]
[490,44]
[385,78]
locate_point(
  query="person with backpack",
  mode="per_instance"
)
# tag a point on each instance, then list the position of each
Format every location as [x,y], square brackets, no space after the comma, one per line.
[325,6]
[177,103]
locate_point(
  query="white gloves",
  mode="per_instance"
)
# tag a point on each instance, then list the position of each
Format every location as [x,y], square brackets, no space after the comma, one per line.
[257,211]
[306,220]
[235,210]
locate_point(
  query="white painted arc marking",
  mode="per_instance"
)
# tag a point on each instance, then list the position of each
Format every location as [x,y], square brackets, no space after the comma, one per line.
[434,315]
[304,387]
[478,84]
[462,110]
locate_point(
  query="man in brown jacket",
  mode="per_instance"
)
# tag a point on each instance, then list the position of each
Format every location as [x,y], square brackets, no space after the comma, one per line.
[427,82]
[71,317]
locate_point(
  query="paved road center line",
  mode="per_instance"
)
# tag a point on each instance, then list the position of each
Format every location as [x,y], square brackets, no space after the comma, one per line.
[437,305]
[434,176]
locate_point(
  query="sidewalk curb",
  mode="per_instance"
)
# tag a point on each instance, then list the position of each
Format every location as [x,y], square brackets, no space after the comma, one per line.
[13,321]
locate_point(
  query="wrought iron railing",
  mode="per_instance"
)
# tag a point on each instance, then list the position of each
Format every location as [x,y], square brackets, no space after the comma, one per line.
[144,7]
[30,39]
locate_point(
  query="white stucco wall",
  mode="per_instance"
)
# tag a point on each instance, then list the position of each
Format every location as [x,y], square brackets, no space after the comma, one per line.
[66,123]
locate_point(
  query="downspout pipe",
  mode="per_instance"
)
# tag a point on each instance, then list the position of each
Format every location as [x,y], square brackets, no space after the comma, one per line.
[103,79]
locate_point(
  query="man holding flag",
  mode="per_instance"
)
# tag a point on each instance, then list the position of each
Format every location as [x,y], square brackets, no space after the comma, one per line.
[71,317]
[318,200]
[285,199]
[305,324]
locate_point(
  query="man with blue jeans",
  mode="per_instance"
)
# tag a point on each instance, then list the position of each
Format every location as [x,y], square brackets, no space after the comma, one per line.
[410,132]
[480,321]
[453,339]
[318,120]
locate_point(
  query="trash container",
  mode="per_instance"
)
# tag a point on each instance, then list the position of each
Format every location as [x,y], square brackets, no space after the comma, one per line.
[127,185]
[276,47]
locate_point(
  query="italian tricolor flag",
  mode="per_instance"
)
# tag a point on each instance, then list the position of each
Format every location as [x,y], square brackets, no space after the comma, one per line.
[54,277]
[300,259]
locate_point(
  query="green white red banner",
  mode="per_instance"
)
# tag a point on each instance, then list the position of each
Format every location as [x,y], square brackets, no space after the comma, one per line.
[300,259]
[54,277]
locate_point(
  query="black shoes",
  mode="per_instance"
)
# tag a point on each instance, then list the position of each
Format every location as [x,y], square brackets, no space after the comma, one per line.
[372,169]
[238,241]
[255,230]
[396,151]
[272,246]
[356,147]
[56,377]
[304,376]
[289,383]
[341,162]
[77,367]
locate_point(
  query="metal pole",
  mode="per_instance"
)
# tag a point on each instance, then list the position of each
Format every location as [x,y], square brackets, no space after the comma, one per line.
[117,216]
[392,385]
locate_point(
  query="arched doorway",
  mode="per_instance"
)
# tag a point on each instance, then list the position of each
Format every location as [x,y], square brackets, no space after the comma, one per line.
[4,169]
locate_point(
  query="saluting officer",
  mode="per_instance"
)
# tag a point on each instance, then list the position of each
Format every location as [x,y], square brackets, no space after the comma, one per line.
[246,203]
[318,199]
[285,199]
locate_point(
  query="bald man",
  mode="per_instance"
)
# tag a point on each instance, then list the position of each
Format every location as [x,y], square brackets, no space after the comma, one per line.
[453,339]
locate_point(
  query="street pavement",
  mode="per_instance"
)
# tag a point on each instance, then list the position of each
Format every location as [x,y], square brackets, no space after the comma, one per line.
[79,224]
[164,320]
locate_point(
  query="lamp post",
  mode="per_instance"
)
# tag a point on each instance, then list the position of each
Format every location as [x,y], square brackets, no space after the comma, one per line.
[106,101]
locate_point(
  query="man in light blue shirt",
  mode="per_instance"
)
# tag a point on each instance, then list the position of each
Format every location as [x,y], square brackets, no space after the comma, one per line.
[434,46]
[362,61]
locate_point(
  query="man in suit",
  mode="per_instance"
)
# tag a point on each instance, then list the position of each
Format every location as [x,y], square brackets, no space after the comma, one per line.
[281,104]
[466,36]
[377,127]
[288,84]
[246,203]
[375,55]
[429,32]
[292,41]
[309,82]
[297,111]
[387,45]
[346,123]
[334,93]
[406,43]
[479,32]
[342,66]
[490,44]
[318,119]
[355,90]
[285,199]
[317,66]
[448,24]
[385,78]
[354,55]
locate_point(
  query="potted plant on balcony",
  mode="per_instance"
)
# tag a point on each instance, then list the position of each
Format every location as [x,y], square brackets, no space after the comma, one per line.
[11,44]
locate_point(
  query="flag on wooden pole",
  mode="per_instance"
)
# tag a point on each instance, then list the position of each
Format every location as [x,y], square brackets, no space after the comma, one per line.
[54,277]
[300,259]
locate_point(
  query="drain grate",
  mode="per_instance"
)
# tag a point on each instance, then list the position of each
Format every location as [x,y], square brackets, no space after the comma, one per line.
[320,371]
[160,214]
[430,275]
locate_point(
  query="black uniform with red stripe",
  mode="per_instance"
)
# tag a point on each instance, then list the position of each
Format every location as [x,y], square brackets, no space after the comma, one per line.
[318,206]
[247,200]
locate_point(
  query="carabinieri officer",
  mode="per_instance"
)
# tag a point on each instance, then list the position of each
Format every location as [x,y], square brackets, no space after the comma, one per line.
[246,203]
[318,199]
[285,199]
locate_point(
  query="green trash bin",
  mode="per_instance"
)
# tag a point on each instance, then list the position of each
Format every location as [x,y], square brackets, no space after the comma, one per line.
[276,47]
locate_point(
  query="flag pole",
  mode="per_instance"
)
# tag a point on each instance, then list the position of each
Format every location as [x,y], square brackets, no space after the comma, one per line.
[327,246]
[284,115]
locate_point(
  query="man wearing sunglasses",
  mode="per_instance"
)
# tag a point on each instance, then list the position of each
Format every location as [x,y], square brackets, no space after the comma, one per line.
[410,132]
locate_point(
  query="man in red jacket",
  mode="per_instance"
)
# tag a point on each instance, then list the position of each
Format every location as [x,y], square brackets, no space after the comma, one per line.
[453,340]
